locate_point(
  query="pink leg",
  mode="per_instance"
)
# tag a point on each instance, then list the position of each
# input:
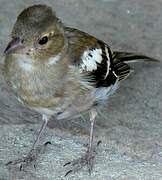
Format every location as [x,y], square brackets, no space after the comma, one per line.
[90,155]
[93,114]
[45,119]
[34,152]
[88,158]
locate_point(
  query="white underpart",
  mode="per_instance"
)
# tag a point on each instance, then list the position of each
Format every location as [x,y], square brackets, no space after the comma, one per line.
[102,94]
[90,58]
[26,65]
[108,62]
[54,60]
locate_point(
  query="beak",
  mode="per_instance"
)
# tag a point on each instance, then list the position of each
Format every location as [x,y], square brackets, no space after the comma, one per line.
[14,46]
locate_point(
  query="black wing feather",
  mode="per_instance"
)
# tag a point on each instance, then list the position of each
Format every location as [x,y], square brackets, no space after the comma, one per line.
[109,70]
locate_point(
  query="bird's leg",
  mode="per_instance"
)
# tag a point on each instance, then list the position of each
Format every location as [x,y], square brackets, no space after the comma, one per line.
[35,151]
[87,159]
[90,155]
[44,124]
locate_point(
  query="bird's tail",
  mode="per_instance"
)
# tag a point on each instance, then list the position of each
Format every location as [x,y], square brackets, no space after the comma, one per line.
[121,61]
[130,57]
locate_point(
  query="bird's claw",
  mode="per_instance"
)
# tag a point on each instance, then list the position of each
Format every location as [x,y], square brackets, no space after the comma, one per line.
[76,165]
[25,161]
[31,158]
[86,160]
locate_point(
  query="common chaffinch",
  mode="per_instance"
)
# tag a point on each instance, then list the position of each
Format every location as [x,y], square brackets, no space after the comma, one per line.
[60,71]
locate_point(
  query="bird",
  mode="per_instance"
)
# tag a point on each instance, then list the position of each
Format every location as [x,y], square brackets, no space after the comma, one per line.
[62,72]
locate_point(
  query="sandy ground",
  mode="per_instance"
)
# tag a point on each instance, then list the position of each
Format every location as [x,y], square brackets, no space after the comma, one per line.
[130,128]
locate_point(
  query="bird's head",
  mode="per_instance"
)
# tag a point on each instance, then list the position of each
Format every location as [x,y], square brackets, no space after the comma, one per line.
[37,33]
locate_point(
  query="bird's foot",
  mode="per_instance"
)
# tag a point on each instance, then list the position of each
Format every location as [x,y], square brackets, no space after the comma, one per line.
[86,160]
[30,159]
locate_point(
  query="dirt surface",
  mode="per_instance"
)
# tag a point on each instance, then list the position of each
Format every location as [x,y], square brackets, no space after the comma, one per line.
[130,128]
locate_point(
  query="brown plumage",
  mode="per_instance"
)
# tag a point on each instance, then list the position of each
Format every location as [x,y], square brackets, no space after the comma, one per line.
[61,71]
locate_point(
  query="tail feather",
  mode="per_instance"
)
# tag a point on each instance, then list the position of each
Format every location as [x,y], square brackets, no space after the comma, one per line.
[121,62]
[129,57]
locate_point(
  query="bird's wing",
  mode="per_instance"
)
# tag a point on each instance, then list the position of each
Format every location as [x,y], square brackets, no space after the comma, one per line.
[97,63]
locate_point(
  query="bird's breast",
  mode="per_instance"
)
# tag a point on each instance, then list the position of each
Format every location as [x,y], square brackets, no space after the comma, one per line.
[33,84]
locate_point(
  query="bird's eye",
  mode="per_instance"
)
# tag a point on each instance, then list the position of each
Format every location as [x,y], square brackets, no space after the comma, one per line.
[43,40]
